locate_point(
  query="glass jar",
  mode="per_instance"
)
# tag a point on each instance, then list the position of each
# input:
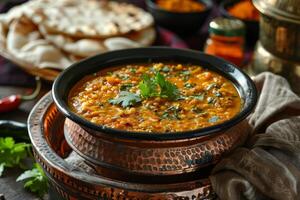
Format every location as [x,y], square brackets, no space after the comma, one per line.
[226,40]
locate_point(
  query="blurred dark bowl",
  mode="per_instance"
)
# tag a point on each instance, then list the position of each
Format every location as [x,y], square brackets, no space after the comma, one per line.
[181,23]
[252,26]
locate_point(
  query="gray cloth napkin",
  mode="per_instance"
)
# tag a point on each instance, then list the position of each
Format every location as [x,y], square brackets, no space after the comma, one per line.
[268,165]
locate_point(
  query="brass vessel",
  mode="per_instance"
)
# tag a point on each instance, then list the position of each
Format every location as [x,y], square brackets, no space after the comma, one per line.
[278,50]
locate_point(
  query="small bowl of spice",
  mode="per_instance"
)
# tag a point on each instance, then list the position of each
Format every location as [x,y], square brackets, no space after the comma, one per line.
[183,17]
[243,10]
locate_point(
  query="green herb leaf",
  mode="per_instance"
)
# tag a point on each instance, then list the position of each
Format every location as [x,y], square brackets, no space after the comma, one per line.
[126,99]
[211,100]
[36,180]
[11,153]
[189,85]
[185,72]
[126,87]
[171,113]
[197,110]
[213,119]
[211,86]
[199,96]
[132,70]
[167,89]
[148,86]
[165,69]
[186,75]
[1,168]
[218,94]
[123,76]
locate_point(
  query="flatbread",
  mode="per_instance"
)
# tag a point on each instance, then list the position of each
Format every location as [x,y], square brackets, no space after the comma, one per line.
[85,47]
[25,42]
[90,18]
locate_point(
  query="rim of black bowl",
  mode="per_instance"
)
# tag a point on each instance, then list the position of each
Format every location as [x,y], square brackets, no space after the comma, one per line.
[224,12]
[218,65]
[208,5]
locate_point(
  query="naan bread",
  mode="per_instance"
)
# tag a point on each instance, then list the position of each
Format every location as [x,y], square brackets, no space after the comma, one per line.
[91,18]
[25,42]
[88,47]
[55,34]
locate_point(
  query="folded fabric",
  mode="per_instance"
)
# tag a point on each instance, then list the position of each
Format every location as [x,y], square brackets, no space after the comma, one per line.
[268,165]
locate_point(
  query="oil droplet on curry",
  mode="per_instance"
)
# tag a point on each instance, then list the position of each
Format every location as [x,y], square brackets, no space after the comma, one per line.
[158,98]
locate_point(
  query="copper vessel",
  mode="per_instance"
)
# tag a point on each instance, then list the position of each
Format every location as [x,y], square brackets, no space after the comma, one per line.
[153,157]
[45,125]
[152,154]
[278,49]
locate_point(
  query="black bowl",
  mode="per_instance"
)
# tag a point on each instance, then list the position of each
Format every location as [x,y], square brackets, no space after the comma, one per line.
[181,23]
[252,26]
[67,79]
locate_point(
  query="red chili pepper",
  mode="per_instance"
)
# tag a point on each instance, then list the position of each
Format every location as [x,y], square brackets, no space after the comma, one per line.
[10,103]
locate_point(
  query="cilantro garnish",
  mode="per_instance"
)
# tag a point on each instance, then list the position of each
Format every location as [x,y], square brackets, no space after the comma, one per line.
[199,96]
[165,69]
[197,110]
[149,87]
[132,70]
[126,87]
[171,113]
[211,100]
[189,85]
[11,153]
[123,76]
[36,180]
[213,119]
[218,94]
[126,99]
[211,86]
[167,89]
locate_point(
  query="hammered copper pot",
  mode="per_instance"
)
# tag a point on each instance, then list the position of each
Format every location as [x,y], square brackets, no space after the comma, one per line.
[153,153]
[67,181]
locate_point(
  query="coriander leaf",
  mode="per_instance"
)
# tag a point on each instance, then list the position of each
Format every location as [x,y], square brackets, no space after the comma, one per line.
[189,85]
[197,110]
[1,168]
[211,86]
[211,100]
[165,69]
[218,94]
[213,119]
[167,89]
[148,86]
[126,99]
[11,153]
[185,72]
[132,70]
[199,96]
[171,113]
[123,76]
[36,180]
[126,86]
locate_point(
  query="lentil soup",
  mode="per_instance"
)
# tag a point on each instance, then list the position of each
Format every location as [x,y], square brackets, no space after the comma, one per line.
[159,97]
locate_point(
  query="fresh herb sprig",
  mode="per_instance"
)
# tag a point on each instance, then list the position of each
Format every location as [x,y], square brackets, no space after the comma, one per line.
[11,153]
[35,180]
[149,87]
[126,99]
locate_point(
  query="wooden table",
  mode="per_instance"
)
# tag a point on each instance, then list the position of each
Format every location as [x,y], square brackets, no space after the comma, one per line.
[11,189]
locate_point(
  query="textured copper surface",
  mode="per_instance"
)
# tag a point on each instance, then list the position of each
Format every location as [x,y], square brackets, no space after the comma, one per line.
[153,157]
[46,133]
